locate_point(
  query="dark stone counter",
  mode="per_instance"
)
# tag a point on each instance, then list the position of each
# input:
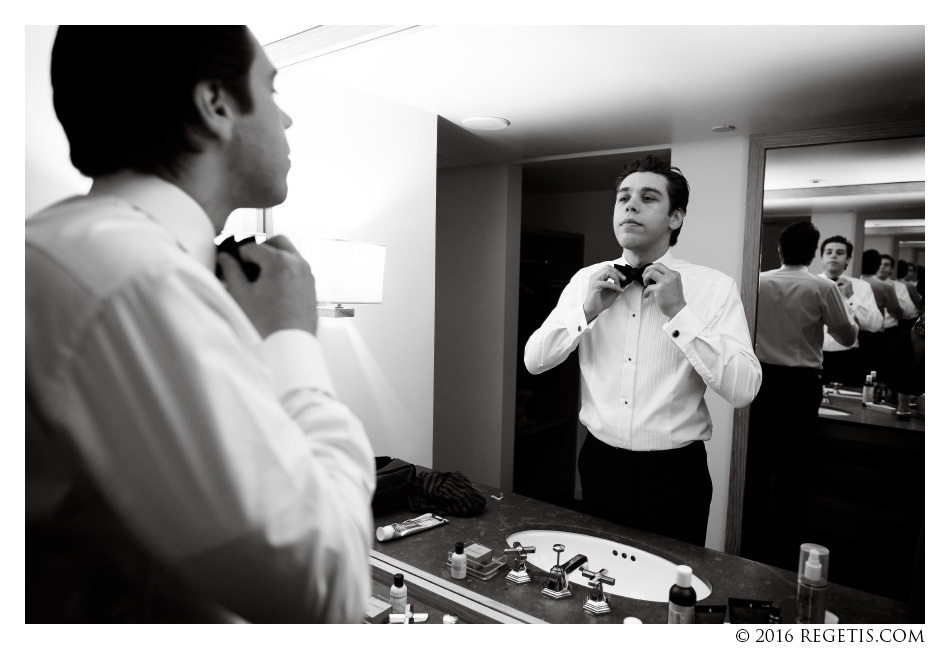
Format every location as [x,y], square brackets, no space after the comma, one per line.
[729,576]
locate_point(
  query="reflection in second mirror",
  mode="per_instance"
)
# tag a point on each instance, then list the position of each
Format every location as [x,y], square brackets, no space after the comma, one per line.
[837,478]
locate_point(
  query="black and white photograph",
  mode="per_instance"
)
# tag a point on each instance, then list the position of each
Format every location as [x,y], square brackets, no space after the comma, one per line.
[469,323]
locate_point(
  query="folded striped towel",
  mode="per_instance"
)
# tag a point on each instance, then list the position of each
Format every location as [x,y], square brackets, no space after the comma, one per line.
[445,493]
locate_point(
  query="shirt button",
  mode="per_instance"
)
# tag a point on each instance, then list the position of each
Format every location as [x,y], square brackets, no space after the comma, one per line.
[578,327]
[676,333]
[634,315]
[629,359]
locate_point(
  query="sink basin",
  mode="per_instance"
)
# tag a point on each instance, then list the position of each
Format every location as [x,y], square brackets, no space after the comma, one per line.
[832,412]
[639,574]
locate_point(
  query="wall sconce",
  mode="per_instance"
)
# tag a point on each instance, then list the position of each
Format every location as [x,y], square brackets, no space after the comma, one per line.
[346,272]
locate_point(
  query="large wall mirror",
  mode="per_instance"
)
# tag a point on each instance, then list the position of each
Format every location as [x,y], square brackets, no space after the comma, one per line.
[866,184]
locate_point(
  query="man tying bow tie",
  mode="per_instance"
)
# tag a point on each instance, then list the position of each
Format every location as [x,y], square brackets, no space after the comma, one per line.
[631,274]
[653,332]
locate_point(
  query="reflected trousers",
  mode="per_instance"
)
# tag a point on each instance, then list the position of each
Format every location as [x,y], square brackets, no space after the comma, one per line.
[664,492]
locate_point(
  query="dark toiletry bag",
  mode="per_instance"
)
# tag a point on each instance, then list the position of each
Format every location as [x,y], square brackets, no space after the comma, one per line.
[394,478]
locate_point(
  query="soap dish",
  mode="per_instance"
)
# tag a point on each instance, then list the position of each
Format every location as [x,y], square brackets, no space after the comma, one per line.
[485,570]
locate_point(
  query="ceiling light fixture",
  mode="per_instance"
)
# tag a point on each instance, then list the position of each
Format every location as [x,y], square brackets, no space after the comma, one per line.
[485,123]
[723,129]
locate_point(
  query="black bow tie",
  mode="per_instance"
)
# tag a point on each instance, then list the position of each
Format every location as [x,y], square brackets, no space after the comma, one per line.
[631,274]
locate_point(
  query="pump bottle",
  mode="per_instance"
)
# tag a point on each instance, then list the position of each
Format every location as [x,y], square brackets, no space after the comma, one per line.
[682,597]
[812,584]
[459,561]
[398,594]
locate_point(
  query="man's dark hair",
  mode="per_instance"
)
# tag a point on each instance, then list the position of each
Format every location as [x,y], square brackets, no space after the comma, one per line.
[887,257]
[124,94]
[837,239]
[870,262]
[676,185]
[902,268]
[798,242]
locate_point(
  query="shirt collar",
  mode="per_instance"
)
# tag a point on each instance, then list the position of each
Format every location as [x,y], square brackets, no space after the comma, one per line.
[796,267]
[166,204]
[666,259]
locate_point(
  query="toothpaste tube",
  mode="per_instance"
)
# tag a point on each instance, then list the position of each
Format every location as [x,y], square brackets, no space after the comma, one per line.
[411,526]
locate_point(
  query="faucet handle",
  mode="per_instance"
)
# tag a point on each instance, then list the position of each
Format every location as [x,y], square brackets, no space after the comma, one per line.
[409,617]
[597,602]
[520,550]
[519,574]
[597,579]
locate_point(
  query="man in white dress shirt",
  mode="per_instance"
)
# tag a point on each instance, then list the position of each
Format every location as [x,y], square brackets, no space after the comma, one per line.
[842,364]
[648,351]
[186,456]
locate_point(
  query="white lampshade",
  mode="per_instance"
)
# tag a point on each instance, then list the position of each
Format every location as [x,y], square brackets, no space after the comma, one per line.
[346,272]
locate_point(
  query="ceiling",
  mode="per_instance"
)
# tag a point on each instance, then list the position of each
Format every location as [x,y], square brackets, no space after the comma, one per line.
[571,90]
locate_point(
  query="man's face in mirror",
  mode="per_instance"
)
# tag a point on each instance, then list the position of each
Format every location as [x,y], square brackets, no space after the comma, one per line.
[885,270]
[834,259]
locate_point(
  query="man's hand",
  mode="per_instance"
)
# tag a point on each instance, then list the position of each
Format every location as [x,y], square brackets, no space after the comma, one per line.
[844,286]
[283,296]
[601,293]
[666,287]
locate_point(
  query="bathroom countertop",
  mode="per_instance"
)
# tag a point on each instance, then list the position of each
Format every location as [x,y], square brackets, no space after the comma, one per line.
[862,416]
[729,576]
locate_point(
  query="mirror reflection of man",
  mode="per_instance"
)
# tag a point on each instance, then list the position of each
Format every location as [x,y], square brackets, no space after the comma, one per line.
[187,459]
[908,310]
[907,274]
[887,303]
[794,309]
[648,351]
[840,363]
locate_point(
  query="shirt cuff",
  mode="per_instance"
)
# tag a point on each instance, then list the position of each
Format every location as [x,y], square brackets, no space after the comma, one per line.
[577,322]
[683,327]
[297,361]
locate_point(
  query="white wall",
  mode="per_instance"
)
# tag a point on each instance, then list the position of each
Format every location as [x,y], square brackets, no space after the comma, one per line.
[364,168]
[49,174]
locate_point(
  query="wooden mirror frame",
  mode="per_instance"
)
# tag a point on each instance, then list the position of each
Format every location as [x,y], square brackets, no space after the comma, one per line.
[759,145]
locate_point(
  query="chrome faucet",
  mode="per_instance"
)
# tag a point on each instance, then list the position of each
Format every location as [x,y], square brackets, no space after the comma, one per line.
[597,602]
[519,574]
[558,586]
[832,388]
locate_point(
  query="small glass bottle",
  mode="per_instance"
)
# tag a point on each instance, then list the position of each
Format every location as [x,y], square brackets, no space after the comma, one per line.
[867,394]
[459,561]
[398,594]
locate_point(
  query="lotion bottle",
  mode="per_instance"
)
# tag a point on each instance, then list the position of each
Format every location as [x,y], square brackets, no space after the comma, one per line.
[459,561]
[398,594]
[682,597]
[812,584]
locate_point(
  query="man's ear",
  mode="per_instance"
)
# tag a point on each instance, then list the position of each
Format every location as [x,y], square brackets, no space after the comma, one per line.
[677,218]
[215,109]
